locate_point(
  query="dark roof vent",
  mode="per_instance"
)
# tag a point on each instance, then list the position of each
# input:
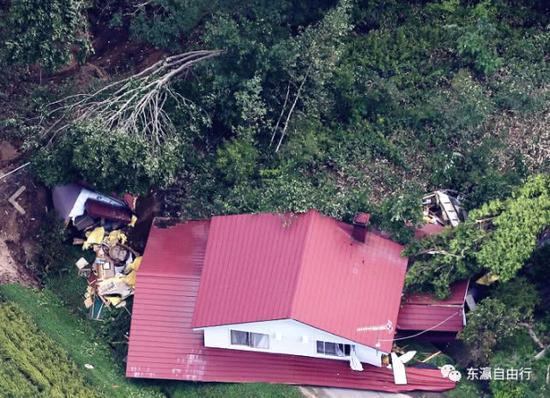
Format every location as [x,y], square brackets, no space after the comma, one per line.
[360,222]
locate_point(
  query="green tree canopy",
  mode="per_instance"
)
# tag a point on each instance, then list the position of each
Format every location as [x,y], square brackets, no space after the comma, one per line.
[43,32]
[498,237]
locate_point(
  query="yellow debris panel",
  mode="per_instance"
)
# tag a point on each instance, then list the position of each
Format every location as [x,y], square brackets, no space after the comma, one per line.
[135,264]
[94,238]
[113,300]
[115,237]
[487,279]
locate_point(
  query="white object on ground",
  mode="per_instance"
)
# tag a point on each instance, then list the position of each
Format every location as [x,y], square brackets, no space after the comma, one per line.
[399,373]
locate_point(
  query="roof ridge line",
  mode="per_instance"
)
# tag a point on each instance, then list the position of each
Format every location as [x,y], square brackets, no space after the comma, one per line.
[313,214]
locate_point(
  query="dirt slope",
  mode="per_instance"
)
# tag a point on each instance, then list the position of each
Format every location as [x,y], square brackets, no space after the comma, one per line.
[17,230]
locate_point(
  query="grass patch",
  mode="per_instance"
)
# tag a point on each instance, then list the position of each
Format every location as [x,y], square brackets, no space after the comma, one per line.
[80,338]
[34,365]
[216,390]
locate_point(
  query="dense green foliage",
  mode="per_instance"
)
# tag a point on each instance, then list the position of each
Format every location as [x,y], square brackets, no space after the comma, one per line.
[517,223]
[498,237]
[111,162]
[34,365]
[361,96]
[363,125]
[491,322]
[335,105]
[43,32]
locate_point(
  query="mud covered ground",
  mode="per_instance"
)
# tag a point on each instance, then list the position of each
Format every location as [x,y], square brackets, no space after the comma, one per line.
[18,231]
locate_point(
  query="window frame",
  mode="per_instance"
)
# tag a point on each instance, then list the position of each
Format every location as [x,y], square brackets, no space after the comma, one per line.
[249,340]
[335,349]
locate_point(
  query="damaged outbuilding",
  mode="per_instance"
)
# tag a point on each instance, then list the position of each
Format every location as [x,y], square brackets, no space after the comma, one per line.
[104,222]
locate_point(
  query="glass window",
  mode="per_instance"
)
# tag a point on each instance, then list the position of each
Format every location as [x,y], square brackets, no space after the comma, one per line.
[320,347]
[255,340]
[240,338]
[347,350]
[259,340]
[333,349]
[330,348]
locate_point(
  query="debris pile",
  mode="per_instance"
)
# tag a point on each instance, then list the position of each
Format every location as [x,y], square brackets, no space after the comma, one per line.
[443,207]
[104,221]
[112,275]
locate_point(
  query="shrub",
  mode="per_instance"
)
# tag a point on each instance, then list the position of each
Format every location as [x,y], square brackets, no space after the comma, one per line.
[491,322]
[44,32]
[110,161]
[52,256]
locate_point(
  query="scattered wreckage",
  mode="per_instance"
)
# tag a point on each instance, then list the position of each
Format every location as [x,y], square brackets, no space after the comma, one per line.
[440,209]
[105,221]
[443,207]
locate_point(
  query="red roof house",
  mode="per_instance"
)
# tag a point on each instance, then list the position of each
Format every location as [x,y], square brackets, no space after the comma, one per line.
[262,267]
[270,298]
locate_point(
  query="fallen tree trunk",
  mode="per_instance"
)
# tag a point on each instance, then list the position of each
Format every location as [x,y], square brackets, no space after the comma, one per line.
[134,105]
[535,338]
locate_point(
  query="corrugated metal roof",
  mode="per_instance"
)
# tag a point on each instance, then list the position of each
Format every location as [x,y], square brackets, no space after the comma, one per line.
[434,318]
[422,311]
[305,267]
[163,344]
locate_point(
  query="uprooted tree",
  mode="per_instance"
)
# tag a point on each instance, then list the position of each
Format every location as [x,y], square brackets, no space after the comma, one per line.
[133,106]
[498,237]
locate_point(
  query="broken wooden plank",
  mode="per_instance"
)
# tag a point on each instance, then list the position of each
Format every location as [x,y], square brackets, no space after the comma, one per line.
[12,199]
[431,356]
[14,170]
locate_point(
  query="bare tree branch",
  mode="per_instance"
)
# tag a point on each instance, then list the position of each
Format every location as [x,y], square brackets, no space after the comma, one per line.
[283,109]
[134,105]
[291,111]
[535,338]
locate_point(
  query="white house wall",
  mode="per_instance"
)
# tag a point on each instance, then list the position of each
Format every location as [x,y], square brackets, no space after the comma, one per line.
[287,336]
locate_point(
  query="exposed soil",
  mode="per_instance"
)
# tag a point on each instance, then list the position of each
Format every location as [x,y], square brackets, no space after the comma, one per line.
[114,53]
[148,207]
[17,231]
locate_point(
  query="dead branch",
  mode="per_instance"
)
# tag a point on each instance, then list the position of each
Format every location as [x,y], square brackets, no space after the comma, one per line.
[280,115]
[134,105]
[291,110]
[443,252]
[484,220]
[431,356]
[535,338]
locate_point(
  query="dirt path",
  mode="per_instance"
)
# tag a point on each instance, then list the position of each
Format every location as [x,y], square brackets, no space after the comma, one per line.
[17,230]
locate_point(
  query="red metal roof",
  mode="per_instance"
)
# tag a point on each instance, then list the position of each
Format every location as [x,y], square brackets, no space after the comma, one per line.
[434,318]
[163,344]
[422,311]
[305,267]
